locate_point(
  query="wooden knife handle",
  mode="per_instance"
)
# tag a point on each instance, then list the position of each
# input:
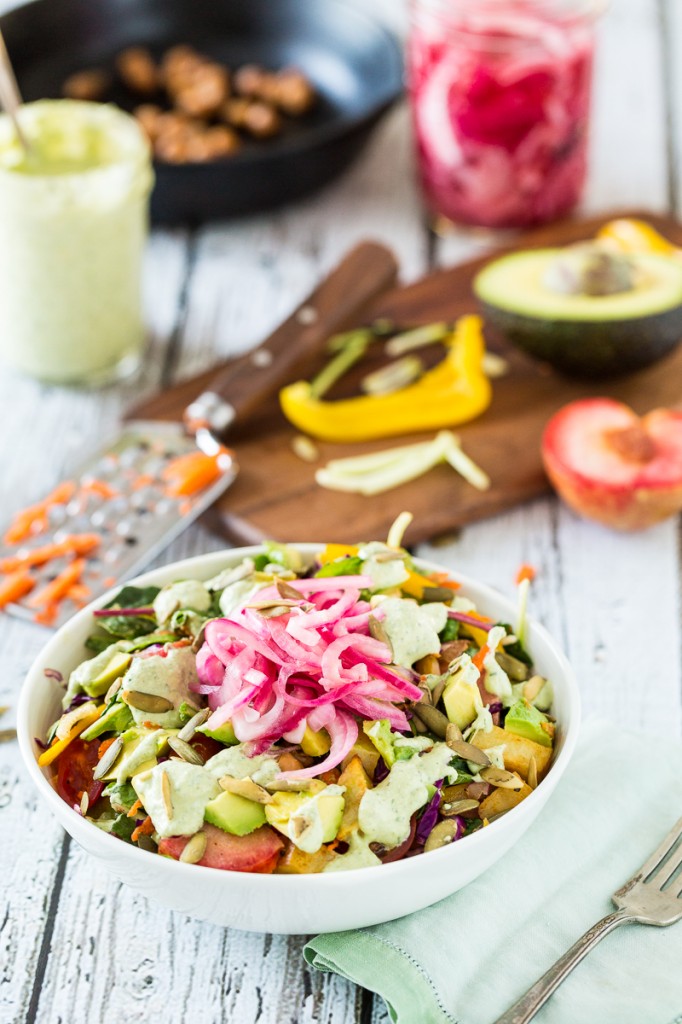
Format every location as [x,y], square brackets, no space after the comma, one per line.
[335,305]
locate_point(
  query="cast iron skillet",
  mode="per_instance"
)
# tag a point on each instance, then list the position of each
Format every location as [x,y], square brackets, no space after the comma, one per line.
[354,63]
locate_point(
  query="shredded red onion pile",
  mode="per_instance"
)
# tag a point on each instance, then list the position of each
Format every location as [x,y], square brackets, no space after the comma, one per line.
[317,666]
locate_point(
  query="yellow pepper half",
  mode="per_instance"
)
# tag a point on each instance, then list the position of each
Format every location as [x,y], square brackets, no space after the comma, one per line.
[59,746]
[454,391]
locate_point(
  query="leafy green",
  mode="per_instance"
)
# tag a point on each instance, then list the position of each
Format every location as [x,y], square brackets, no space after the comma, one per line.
[349,565]
[282,554]
[260,561]
[99,642]
[517,650]
[122,796]
[450,631]
[151,638]
[129,627]
[186,711]
[123,827]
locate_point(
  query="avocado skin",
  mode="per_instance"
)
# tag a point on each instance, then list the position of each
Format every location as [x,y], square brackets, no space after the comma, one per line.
[592,349]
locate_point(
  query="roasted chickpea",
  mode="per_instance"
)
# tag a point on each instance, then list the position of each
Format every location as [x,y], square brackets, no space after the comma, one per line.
[150,118]
[179,61]
[251,80]
[205,93]
[138,70]
[86,85]
[294,93]
[262,121]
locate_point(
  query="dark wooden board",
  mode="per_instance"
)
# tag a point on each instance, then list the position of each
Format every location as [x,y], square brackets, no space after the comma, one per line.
[276,496]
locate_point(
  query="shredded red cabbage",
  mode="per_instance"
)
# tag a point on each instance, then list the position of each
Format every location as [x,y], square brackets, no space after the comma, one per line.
[429,817]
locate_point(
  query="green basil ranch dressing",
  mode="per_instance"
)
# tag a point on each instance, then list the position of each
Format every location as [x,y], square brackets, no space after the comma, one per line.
[74,225]
[169,676]
[190,787]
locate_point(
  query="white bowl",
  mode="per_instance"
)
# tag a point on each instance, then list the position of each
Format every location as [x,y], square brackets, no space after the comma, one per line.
[292,904]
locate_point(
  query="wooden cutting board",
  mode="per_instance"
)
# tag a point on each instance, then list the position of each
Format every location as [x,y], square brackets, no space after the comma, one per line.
[276,496]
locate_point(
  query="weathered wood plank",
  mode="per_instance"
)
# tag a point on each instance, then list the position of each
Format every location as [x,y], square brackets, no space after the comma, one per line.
[671,28]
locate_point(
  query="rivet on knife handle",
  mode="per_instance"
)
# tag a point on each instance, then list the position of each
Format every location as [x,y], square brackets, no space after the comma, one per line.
[336,304]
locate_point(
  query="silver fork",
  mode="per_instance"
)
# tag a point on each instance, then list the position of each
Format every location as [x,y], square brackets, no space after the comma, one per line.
[643,900]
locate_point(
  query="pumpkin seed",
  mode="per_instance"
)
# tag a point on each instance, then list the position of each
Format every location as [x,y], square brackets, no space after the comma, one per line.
[189,728]
[145,842]
[437,594]
[195,849]
[85,803]
[246,788]
[378,632]
[151,703]
[469,752]
[457,792]
[443,834]
[287,591]
[108,759]
[453,734]
[532,773]
[432,718]
[452,809]
[198,641]
[501,778]
[514,668]
[287,785]
[186,752]
[166,794]
[533,687]
[437,691]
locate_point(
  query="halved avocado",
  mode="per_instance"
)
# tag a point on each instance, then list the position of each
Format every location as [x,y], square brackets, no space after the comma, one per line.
[588,335]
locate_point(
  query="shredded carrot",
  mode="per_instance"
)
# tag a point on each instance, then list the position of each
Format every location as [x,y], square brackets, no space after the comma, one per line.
[145,829]
[143,480]
[104,746]
[188,474]
[74,544]
[48,616]
[15,586]
[78,593]
[443,580]
[132,813]
[109,581]
[480,656]
[54,591]
[100,488]
[33,518]
[526,572]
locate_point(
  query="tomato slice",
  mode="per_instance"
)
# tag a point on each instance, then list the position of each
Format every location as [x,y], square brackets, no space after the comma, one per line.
[74,772]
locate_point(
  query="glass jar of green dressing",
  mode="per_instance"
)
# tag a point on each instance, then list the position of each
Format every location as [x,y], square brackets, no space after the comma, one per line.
[73,226]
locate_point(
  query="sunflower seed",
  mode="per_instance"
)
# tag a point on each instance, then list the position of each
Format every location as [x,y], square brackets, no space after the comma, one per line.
[113,689]
[183,749]
[246,788]
[451,810]
[287,591]
[85,803]
[189,728]
[149,702]
[532,773]
[500,778]
[287,785]
[443,834]
[453,734]
[469,752]
[195,849]
[146,843]
[108,759]
[533,687]
[432,718]
[7,735]
[166,794]
[304,448]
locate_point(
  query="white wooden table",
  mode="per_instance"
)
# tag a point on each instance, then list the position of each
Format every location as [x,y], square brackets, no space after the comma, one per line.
[75,946]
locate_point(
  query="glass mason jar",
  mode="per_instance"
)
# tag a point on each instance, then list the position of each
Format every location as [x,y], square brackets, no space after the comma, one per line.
[500,97]
[74,216]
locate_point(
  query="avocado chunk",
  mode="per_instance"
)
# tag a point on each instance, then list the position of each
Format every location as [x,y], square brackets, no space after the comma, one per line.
[525,720]
[603,323]
[223,734]
[315,743]
[117,718]
[461,696]
[308,819]
[117,666]
[379,732]
[235,814]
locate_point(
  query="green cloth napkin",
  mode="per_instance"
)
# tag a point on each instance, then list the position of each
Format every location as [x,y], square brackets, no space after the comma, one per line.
[469,957]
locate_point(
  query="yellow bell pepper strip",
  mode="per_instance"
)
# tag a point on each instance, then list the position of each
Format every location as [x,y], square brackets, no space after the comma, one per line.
[631,235]
[59,746]
[454,391]
[334,551]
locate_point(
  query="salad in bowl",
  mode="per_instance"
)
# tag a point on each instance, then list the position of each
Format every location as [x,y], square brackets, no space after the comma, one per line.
[304,710]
